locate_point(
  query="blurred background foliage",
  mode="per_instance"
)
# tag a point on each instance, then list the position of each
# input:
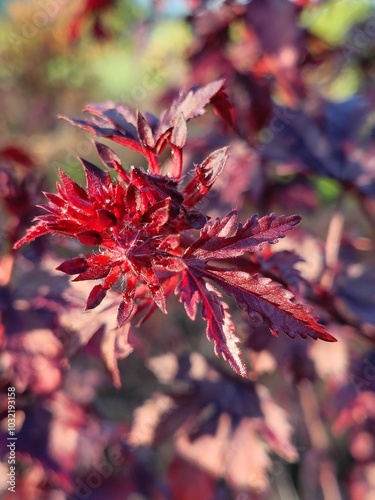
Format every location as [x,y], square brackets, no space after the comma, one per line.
[142,52]
[45,73]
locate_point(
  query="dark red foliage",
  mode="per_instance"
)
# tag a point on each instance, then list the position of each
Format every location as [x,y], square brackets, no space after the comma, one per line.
[20,186]
[144,224]
[176,233]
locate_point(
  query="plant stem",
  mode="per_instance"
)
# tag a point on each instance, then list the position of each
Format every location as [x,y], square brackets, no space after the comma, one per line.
[319,441]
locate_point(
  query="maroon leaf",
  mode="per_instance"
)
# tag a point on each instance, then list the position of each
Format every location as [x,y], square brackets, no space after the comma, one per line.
[110,159]
[226,238]
[223,107]
[194,218]
[100,127]
[119,115]
[271,301]
[96,296]
[95,178]
[220,327]
[106,218]
[179,132]
[105,128]
[73,266]
[31,234]
[70,188]
[190,104]
[17,155]
[157,215]
[145,133]
[189,295]
[89,238]
[281,264]
[204,176]
[144,226]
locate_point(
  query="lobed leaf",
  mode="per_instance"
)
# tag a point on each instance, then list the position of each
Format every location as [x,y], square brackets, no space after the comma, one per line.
[270,300]
[226,238]
[220,327]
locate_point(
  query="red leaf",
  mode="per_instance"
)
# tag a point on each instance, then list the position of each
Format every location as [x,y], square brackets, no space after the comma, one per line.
[190,104]
[73,266]
[157,215]
[111,160]
[179,132]
[55,199]
[168,263]
[170,242]
[98,267]
[223,107]
[124,311]
[96,296]
[189,295]
[106,218]
[18,155]
[89,238]
[145,133]
[70,188]
[128,143]
[93,273]
[226,238]
[220,327]
[150,278]
[158,187]
[64,226]
[270,300]
[31,234]
[95,178]
[204,176]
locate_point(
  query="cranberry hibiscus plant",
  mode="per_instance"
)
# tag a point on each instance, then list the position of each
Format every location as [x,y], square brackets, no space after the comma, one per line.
[148,231]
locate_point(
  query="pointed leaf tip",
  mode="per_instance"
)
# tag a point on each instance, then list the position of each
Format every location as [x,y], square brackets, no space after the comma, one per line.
[96,296]
[145,133]
[73,266]
[31,234]
[124,311]
[179,132]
